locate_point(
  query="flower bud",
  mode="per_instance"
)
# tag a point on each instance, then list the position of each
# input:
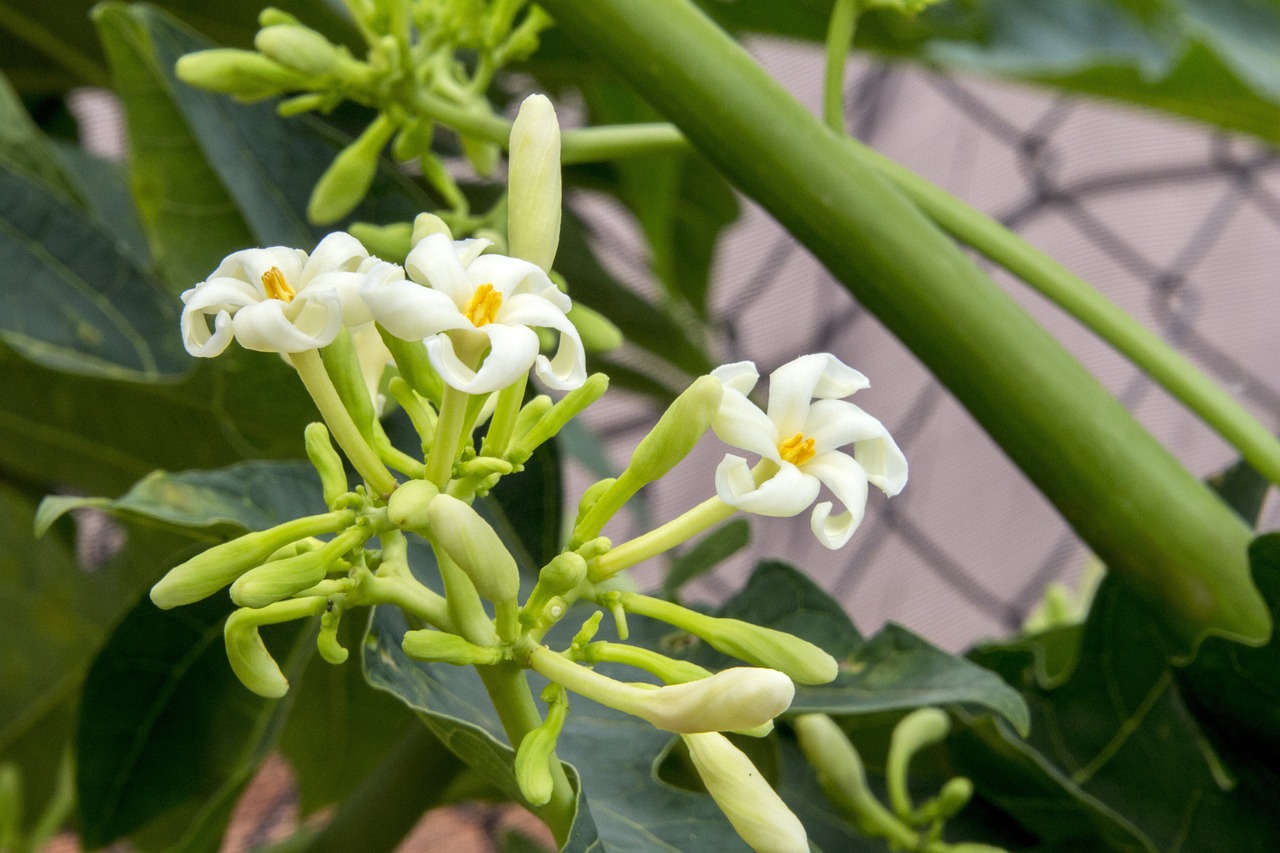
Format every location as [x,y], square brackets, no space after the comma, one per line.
[749,802]
[244,74]
[804,662]
[921,728]
[670,670]
[208,572]
[953,797]
[271,16]
[440,647]
[481,153]
[839,769]
[598,333]
[568,407]
[475,547]
[533,195]
[407,506]
[388,242]
[413,140]
[249,658]
[327,640]
[536,752]
[530,414]
[327,462]
[344,184]
[298,47]
[426,224]
[273,581]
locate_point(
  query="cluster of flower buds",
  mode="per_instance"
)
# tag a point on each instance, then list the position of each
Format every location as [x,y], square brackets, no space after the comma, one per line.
[454,328]
[411,72]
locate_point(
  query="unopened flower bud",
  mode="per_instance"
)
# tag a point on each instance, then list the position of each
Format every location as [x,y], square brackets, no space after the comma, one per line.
[440,647]
[757,813]
[536,752]
[733,699]
[921,728]
[475,547]
[388,242]
[413,140]
[249,658]
[598,333]
[298,47]
[407,506]
[327,462]
[567,408]
[670,670]
[953,797]
[243,74]
[481,153]
[327,640]
[273,581]
[839,769]
[271,16]
[804,662]
[530,413]
[344,184]
[533,200]
[426,224]
[208,572]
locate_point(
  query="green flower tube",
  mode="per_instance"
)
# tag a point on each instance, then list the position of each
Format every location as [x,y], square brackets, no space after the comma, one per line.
[440,647]
[248,656]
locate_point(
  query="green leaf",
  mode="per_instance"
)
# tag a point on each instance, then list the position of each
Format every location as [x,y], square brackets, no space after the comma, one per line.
[711,550]
[1116,755]
[532,503]
[168,737]
[23,150]
[1243,489]
[104,187]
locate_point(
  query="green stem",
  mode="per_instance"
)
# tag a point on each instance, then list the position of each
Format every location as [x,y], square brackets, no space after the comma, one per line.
[503,422]
[311,370]
[448,437]
[675,532]
[466,611]
[844,19]
[1153,523]
[509,690]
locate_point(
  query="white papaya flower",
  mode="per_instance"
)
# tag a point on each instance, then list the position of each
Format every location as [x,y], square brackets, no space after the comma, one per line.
[756,811]
[800,434]
[278,299]
[462,303]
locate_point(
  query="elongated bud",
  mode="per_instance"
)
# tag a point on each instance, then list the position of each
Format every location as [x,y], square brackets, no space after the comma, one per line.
[481,153]
[749,802]
[530,414]
[342,362]
[670,670]
[426,224]
[249,658]
[208,572]
[592,495]
[804,662]
[244,74]
[685,421]
[407,506]
[597,331]
[568,407]
[388,242]
[840,771]
[921,728]
[533,201]
[440,647]
[536,752]
[273,581]
[326,461]
[562,575]
[344,184]
[953,797]
[475,547]
[298,47]
[413,140]
[733,699]
[327,640]
[271,16]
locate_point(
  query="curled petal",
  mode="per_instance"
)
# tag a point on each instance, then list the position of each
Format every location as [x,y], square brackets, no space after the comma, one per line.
[512,352]
[197,338]
[884,463]
[793,385]
[249,265]
[848,482]
[741,423]
[788,492]
[568,369]
[508,275]
[337,252]
[435,262]
[219,298]
[741,376]
[836,423]
[407,309]
[304,324]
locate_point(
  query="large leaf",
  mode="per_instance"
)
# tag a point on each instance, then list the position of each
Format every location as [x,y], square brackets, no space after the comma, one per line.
[22,147]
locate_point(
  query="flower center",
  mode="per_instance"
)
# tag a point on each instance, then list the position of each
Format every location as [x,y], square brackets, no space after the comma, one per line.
[797,450]
[483,305]
[276,286]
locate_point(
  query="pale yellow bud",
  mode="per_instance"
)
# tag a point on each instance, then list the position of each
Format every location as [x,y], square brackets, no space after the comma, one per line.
[407,506]
[533,204]
[245,74]
[426,224]
[475,547]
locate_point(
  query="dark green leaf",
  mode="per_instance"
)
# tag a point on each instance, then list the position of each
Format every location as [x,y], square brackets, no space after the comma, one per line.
[168,737]
[104,187]
[23,149]
[717,546]
[1244,490]
[532,501]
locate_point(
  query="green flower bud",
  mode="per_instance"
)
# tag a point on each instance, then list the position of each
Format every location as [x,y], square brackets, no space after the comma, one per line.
[558,577]
[208,572]
[407,506]
[344,184]
[481,153]
[413,140]
[440,647]
[685,422]
[475,547]
[598,333]
[536,752]
[273,581]
[298,47]
[533,195]
[840,771]
[249,658]
[327,462]
[426,224]
[342,363]
[755,810]
[733,699]
[921,728]
[670,670]
[530,414]
[271,16]
[388,242]
[242,73]
[327,640]
[804,662]
[569,406]
[953,797]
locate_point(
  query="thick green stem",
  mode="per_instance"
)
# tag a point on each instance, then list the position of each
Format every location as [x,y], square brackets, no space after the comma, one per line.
[503,422]
[448,437]
[844,18]
[344,430]
[509,690]
[1140,510]
[675,532]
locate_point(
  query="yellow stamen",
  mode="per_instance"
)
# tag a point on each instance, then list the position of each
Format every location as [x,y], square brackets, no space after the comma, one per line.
[797,450]
[483,305]
[277,287]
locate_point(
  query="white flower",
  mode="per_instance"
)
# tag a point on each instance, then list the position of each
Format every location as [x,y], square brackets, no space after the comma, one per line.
[473,302]
[278,299]
[801,434]
[756,811]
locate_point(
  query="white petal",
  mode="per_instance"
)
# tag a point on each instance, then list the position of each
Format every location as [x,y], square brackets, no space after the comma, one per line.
[409,310]
[374,357]
[848,482]
[740,423]
[568,369]
[836,423]
[251,264]
[337,252]
[507,275]
[221,294]
[346,285]
[310,323]
[197,338]
[741,376]
[787,493]
[435,262]
[793,385]
[470,249]
[512,352]
[884,463]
